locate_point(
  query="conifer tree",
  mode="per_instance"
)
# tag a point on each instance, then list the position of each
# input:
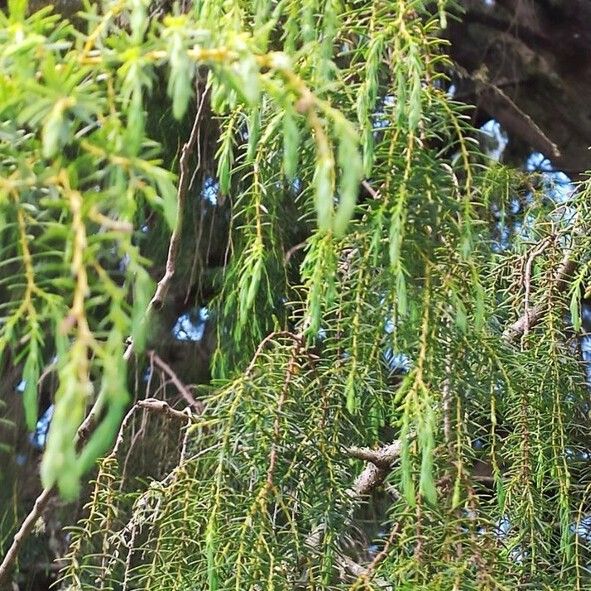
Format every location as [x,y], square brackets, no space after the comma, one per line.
[296,328]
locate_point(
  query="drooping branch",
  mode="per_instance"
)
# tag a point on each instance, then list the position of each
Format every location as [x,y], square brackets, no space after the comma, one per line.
[155,303]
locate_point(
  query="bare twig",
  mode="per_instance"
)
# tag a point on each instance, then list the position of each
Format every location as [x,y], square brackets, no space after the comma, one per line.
[43,499]
[507,112]
[196,405]
[292,251]
[289,373]
[534,315]
[375,194]
[154,405]
[25,529]
[365,574]
[163,407]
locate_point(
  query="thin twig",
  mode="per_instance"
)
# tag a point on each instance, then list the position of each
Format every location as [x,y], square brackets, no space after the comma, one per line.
[182,389]
[154,405]
[43,499]
[163,407]
[375,194]
[366,574]
[534,315]
[289,373]
[175,240]
[292,251]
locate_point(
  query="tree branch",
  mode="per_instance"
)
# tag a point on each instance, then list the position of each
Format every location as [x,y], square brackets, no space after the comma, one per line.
[175,240]
[196,405]
[534,315]
[40,504]
[174,245]
[153,405]
[379,465]
[382,457]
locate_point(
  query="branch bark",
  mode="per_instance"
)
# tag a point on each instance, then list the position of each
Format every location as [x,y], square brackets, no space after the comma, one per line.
[379,464]
[381,458]
[40,504]
[175,240]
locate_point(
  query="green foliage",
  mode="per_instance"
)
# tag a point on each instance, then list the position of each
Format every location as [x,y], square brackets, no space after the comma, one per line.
[389,323]
[80,173]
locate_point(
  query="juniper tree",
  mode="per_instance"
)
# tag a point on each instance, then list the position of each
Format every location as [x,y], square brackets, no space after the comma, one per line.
[394,317]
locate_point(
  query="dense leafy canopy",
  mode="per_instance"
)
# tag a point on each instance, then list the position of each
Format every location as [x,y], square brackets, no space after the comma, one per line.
[382,279]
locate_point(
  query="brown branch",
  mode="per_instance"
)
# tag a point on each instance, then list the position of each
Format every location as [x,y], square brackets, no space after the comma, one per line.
[174,245]
[43,499]
[379,464]
[506,111]
[382,457]
[364,574]
[292,251]
[182,389]
[289,373]
[527,279]
[175,240]
[519,29]
[163,407]
[534,315]
[40,504]
[23,532]
[381,555]
[373,193]
[153,405]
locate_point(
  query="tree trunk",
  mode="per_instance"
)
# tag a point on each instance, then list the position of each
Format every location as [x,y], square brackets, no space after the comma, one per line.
[527,63]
